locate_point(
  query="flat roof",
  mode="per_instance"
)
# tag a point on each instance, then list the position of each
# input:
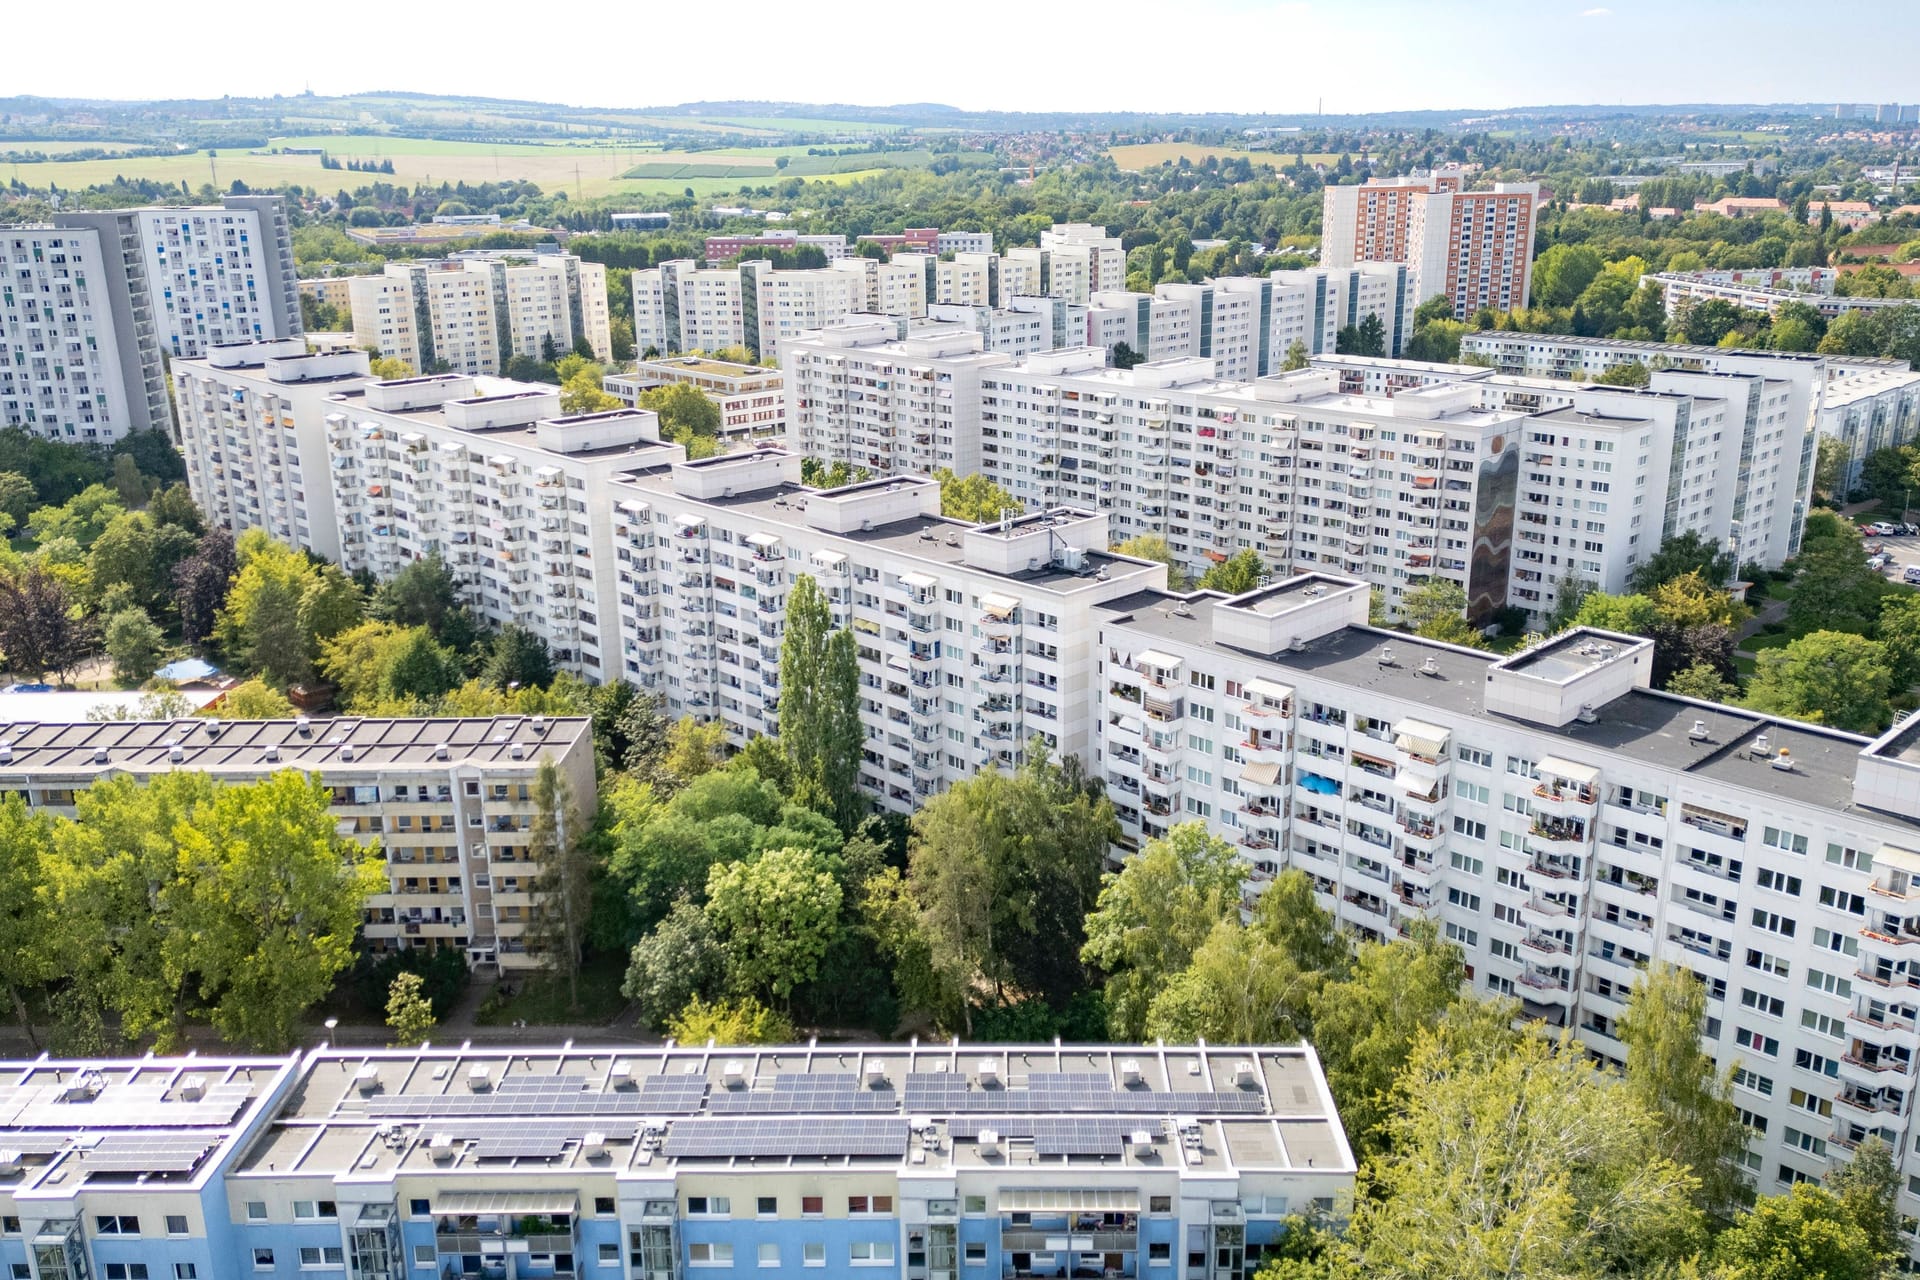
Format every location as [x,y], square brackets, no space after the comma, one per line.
[1647,726]
[242,746]
[472,1111]
[709,367]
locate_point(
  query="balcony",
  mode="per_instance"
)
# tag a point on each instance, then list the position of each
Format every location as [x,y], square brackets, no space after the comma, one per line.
[1559,829]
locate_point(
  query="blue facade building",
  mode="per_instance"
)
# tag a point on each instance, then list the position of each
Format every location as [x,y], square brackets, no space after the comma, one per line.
[886,1162]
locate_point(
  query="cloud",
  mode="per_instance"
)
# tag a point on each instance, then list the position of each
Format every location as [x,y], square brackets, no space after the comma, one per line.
[1596,13]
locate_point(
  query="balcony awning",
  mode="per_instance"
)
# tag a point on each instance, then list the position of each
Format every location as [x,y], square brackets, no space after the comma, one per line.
[762,540]
[918,581]
[1417,782]
[1260,775]
[688,521]
[1584,774]
[1070,1199]
[1888,856]
[1159,661]
[999,608]
[521,1202]
[831,559]
[1420,738]
[1268,689]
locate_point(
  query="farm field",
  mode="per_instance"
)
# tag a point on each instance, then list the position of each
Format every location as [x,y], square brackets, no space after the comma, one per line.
[64,146]
[583,170]
[1146,155]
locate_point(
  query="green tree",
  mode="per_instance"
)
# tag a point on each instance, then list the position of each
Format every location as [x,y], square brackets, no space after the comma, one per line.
[1703,682]
[1295,358]
[777,915]
[416,667]
[1806,1234]
[83,517]
[581,392]
[389,368]
[973,498]
[683,407]
[422,594]
[1632,373]
[40,630]
[518,659]
[18,498]
[1826,677]
[29,955]
[409,1012]
[1235,576]
[252,700]
[1432,600]
[135,644]
[1153,915]
[359,660]
[694,749]
[268,910]
[679,960]
[1153,546]
[1830,467]
[260,623]
[1685,553]
[1509,1155]
[820,731]
[1868,1188]
[1367,1024]
[1675,1080]
[842,736]
[729,1022]
[1562,273]
[563,882]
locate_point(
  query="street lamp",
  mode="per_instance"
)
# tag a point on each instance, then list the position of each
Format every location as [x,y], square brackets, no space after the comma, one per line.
[330,1024]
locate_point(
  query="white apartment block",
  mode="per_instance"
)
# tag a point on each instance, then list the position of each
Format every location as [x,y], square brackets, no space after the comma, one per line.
[1087,252]
[898,287]
[958,242]
[751,401]
[221,273]
[1763,289]
[79,359]
[968,280]
[678,307]
[450,802]
[1563,823]
[859,393]
[253,429]
[472,312]
[973,640]
[1023,327]
[1868,408]
[1310,306]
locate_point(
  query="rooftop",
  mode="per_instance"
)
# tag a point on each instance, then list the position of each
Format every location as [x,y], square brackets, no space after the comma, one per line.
[247,746]
[1643,726]
[530,1112]
[705,367]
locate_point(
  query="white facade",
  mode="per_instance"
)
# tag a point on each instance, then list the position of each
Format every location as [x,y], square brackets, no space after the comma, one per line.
[253,429]
[751,401]
[473,312]
[221,273]
[1563,823]
[1079,242]
[1868,408]
[78,361]
[1763,289]
[678,307]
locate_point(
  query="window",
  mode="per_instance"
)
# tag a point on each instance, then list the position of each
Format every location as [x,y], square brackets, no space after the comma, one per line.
[1159,1253]
[1746,1079]
[705,1254]
[1831,983]
[112,1271]
[1470,829]
[1760,1043]
[1852,859]
[1841,900]
[424,1255]
[870,1253]
[9,1225]
[185,1271]
[1767,964]
[314,1209]
[1843,943]
[1772,1006]
[976,1253]
[708,1206]
[767,1206]
[813,1254]
[812,1206]
[1776,838]
[974,1204]
[769,1255]
[1823,1025]
[605,1206]
[609,1255]
[176,1224]
[1474,756]
[256,1211]
[1779,882]
[21,1271]
[1159,1204]
[1774,922]
[329,1256]
[116,1224]
[869,1204]
[1817,1063]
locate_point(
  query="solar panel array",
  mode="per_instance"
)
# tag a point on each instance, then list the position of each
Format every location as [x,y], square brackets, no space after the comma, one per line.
[969,1128]
[149,1152]
[572,1101]
[829,1092]
[43,1143]
[1081,1136]
[122,1106]
[947,1093]
[754,1136]
[673,1095]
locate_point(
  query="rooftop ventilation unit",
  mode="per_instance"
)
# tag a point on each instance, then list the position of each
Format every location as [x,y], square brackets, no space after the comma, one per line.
[6,753]
[593,1144]
[1585,715]
[367,1078]
[1698,733]
[1761,747]
[271,751]
[734,1074]
[100,755]
[440,1147]
[213,726]
[9,1163]
[302,725]
[1431,667]
[1243,1074]
[539,724]
[876,1075]
[441,750]
[1784,760]
[346,751]
[478,1080]
[620,1073]
[175,753]
[1130,1071]
[989,1140]
[516,751]
[1142,1140]
[193,1088]
[989,1071]
[1386,657]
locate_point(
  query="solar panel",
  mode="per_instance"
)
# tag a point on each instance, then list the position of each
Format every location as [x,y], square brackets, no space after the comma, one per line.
[568,1102]
[673,1095]
[968,1128]
[34,1144]
[536,1139]
[780,1137]
[148,1153]
[1079,1136]
[943,1094]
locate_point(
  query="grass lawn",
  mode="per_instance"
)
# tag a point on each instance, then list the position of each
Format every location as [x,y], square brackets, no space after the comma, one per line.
[540,1001]
[1505,644]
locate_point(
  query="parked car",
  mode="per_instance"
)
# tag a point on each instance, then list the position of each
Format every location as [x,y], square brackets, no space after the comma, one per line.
[1881,528]
[1879,562]
[1911,574]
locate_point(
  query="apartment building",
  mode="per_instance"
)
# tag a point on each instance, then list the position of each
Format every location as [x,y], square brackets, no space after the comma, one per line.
[750,399]
[1868,409]
[449,800]
[1474,246]
[972,639]
[1023,327]
[1763,290]
[253,429]
[1563,823]
[1311,305]
[221,273]
[658,1163]
[678,307]
[472,312]
[1087,256]
[79,357]
[332,291]
[721,249]
[900,286]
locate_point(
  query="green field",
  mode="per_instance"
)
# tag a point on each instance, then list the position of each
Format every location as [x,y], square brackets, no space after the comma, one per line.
[63,146]
[582,169]
[1148,155]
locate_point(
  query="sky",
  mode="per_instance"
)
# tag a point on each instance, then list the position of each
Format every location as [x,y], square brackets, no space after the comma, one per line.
[1252,56]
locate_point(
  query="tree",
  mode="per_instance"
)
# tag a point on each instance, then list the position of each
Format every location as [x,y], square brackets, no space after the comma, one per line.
[39,631]
[200,584]
[736,1022]
[694,748]
[83,517]
[777,915]
[1675,1080]
[1123,356]
[1806,1234]
[1432,600]
[680,960]
[416,667]
[1367,1024]
[409,1012]
[1703,682]
[1868,1188]
[1154,913]
[28,948]
[329,604]
[18,498]
[1296,357]
[260,622]
[1684,553]
[1835,589]
[563,883]
[1830,467]
[252,700]
[422,594]
[1633,373]
[270,904]
[1509,1155]
[389,368]
[683,407]
[358,662]
[581,392]
[1826,677]
[135,645]
[1235,576]
[973,498]
[817,474]
[518,658]
[820,731]
[1562,273]
[1569,595]
[1153,546]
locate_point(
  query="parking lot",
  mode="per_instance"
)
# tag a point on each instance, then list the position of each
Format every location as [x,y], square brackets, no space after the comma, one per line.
[1903,550]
